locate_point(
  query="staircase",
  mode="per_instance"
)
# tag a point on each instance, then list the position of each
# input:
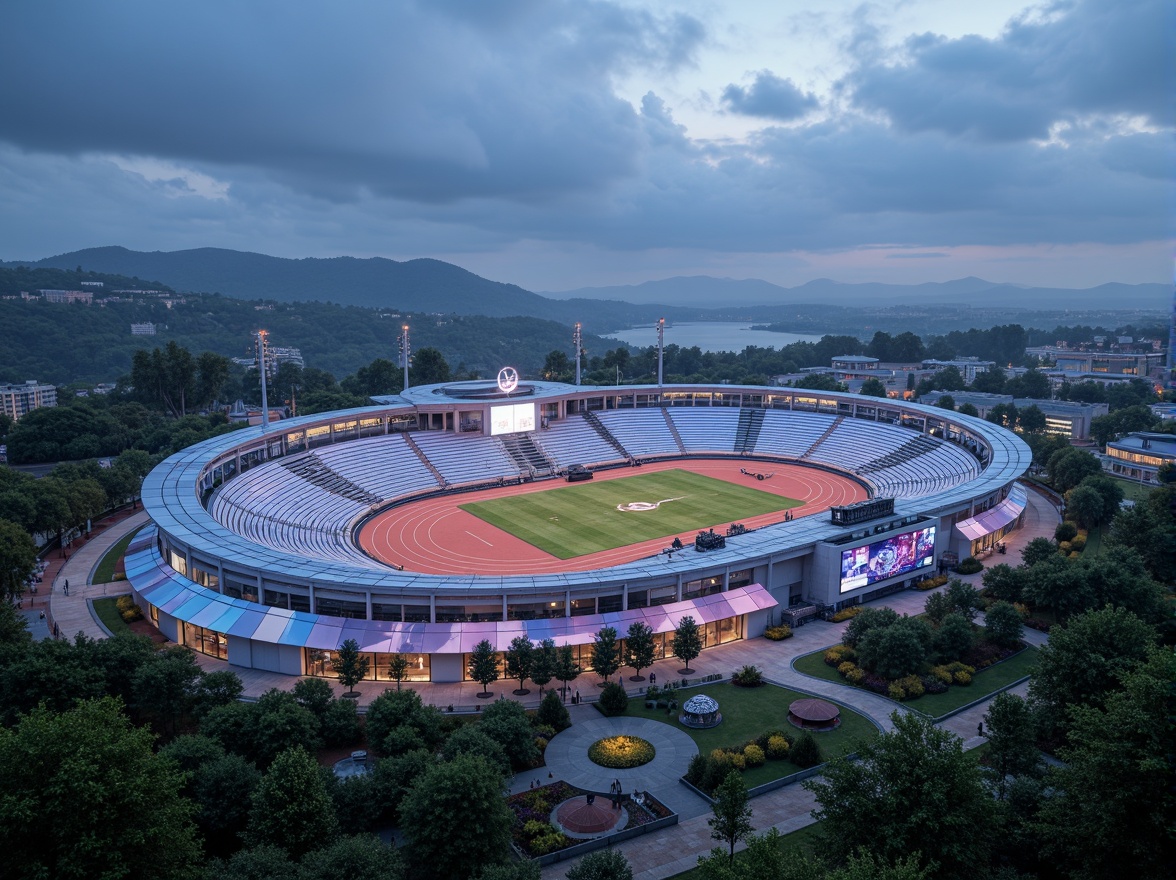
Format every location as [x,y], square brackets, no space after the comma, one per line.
[312,469]
[527,454]
[920,445]
[441,481]
[598,426]
[747,434]
[674,431]
[828,431]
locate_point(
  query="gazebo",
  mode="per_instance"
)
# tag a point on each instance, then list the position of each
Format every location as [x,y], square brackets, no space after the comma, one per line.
[700,711]
[813,714]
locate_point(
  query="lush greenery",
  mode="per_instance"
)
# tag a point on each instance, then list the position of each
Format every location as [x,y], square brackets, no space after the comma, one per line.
[584,518]
[104,573]
[621,752]
[111,616]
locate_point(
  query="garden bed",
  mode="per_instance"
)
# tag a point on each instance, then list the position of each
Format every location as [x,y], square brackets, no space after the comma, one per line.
[107,611]
[986,681]
[750,712]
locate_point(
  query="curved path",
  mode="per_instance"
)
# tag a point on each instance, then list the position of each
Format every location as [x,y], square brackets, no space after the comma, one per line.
[435,536]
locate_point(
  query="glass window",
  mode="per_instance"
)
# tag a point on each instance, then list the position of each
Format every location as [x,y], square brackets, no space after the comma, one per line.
[206,641]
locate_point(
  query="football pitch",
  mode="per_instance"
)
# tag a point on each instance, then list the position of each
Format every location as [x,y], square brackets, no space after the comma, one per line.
[586,517]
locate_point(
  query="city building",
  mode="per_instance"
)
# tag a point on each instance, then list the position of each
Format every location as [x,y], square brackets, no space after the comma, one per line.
[1068,418]
[969,367]
[85,297]
[1121,363]
[144,329]
[16,400]
[1139,456]
[259,551]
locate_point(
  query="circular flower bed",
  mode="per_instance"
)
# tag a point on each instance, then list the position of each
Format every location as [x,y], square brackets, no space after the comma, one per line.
[621,752]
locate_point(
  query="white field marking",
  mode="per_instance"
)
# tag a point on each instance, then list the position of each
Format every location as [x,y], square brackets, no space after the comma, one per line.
[479,538]
[643,506]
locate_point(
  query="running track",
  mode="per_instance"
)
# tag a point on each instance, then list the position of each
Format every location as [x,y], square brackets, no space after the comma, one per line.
[436,537]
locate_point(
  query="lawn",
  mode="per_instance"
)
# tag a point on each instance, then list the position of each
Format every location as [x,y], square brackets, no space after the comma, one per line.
[584,518]
[984,683]
[805,839]
[104,573]
[1134,490]
[748,712]
[1093,542]
[107,612]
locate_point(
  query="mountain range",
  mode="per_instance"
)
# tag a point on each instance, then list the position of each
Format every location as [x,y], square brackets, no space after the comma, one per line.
[426,285]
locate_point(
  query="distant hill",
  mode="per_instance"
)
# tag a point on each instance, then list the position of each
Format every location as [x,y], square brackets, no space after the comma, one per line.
[704,291]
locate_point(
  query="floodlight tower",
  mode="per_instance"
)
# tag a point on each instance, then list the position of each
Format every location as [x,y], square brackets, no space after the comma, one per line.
[578,342]
[262,336]
[404,352]
[661,344]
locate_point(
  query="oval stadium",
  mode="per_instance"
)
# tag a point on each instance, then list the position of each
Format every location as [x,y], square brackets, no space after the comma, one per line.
[452,514]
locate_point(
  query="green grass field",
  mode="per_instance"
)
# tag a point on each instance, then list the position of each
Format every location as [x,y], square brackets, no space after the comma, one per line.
[583,517]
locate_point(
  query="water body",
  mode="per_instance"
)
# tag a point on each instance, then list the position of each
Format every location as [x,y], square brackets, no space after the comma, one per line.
[711,336]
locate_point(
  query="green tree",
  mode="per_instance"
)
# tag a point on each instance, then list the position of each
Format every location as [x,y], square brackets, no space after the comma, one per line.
[1112,811]
[351,667]
[393,710]
[464,795]
[687,643]
[1003,625]
[1069,467]
[543,667]
[954,637]
[1037,550]
[606,657]
[567,669]
[912,790]
[873,388]
[604,864]
[85,795]
[428,367]
[937,607]
[164,688]
[398,668]
[520,658]
[1031,420]
[553,713]
[291,807]
[557,367]
[897,650]
[946,401]
[223,789]
[357,857]
[256,863]
[1149,529]
[18,559]
[967,409]
[483,666]
[639,649]
[1012,750]
[732,814]
[1109,493]
[471,739]
[313,694]
[869,619]
[506,722]
[1084,661]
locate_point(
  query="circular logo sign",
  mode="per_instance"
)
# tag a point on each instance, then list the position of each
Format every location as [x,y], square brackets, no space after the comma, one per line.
[508,379]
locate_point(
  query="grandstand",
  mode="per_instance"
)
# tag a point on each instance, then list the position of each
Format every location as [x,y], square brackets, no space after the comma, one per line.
[270,519]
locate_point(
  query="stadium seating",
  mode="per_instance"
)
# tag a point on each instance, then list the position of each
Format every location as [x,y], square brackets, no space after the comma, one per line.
[574,441]
[707,429]
[465,459]
[384,466]
[643,432]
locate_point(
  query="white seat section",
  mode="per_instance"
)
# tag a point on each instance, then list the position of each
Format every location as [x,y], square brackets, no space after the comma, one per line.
[574,441]
[641,431]
[385,466]
[465,459]
[706,429]
[790,433]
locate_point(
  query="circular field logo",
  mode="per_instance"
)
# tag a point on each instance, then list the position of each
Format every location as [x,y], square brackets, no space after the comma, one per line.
[643,506]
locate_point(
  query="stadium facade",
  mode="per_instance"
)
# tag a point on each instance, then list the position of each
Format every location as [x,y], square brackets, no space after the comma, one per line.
[252,555]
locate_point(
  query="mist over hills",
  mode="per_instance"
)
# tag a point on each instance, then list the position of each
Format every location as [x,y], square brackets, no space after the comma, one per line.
[706,291]
[427,285]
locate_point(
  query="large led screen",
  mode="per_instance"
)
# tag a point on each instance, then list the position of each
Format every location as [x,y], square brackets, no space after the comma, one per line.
[512,418]
[897,555]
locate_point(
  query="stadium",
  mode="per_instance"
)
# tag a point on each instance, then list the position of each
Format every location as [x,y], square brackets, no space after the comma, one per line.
[456,513]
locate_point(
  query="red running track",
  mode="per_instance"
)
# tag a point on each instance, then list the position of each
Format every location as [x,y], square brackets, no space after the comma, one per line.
[434,536]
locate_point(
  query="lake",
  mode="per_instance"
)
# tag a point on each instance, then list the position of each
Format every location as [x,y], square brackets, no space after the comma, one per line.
[711,336]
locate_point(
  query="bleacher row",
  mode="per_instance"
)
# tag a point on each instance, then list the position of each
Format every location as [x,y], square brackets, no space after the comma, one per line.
[274,506]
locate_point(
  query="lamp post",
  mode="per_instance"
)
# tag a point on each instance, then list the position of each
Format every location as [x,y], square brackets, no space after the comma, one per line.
[578,343]
[404,352]
[261,339]
[661,339]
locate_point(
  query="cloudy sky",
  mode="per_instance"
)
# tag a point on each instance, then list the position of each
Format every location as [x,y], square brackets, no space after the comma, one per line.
[564,144]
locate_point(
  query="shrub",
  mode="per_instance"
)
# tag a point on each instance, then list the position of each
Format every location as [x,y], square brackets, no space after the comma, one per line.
[613,699]
[846,667]
[970,565]
[856,675]
[128,610]
[1065,532]
[942,673]
[748,677]
[963,678]
[778,633]
[697,770]
[738,761]
[753,755]
[896,692]
[553,713]
[847,613]
[836,655]
[1065,547]
[805,752]
[339,724]
[933,685]
[912,685]
[1078,543]
[621,752]
[777,747]
[932,582]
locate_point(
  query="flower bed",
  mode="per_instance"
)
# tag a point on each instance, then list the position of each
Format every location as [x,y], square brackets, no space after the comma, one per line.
[932,582]
[533,833]
[778,633]
[621,752]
